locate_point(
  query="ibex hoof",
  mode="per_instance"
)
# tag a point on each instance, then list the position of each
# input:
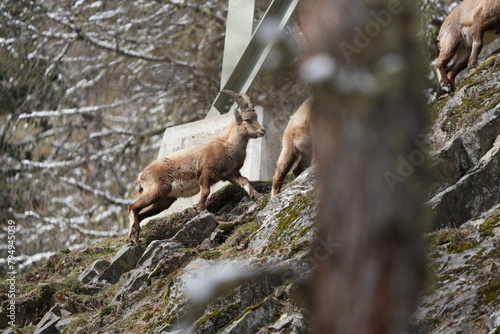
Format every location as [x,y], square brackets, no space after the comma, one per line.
[472,66]
[256,196]
[134,237]
[201,211]
[446,88]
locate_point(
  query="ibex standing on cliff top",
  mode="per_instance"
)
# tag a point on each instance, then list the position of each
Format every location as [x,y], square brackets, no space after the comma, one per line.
[185,172]
[470,26]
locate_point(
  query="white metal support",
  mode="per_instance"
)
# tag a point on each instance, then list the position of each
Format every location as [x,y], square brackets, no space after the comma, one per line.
[250,62]
[239,26]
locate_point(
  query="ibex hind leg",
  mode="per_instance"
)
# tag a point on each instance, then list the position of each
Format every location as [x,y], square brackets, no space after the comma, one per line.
[239,180]
[304,163]
[477,45]
[135,228]
[156,208]
[458,66]
[285,162]
[445,56]
[146,199]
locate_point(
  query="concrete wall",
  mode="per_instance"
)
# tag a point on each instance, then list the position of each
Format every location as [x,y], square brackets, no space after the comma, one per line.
[262,153]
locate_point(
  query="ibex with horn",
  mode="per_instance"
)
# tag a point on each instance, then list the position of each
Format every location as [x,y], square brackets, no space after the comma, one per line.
[185,172]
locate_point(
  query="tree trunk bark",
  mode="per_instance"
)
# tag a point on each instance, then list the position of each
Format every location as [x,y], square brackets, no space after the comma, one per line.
[365,71]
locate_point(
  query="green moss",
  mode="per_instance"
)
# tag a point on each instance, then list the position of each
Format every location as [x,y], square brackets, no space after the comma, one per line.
[470,110]
[245,311]
[490,292]
[166,227]
[226,226]
[456,272]
[454,240]
[83,318]
[208,317]
[249,225]
[250,308]
[287,218]
[232,195]
[109,309]
[486,228]
[287,181]
[476,101]
[462,246]
[133,318]
[63,265]
[210,255]
[46,291]
[297,247]
[493,254]
[239,235]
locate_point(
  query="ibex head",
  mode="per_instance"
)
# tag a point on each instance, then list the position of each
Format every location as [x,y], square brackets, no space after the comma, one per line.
[246,119]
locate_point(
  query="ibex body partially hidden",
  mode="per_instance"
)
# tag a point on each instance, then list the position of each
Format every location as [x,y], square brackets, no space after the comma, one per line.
[297,146]
[470,26]
[184,173]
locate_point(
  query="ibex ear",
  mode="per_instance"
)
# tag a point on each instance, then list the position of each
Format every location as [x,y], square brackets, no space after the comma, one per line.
[237,116]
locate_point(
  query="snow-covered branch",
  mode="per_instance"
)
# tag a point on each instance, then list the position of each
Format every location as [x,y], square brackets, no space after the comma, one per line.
[83,110]
[53,164]
[104,234]
[113,47]
[96,192]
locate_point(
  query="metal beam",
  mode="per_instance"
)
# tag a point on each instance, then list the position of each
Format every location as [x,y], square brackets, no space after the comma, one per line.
[239,26]
[276,16]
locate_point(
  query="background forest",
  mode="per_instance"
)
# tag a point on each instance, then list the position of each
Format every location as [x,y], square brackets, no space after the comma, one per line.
[87,89]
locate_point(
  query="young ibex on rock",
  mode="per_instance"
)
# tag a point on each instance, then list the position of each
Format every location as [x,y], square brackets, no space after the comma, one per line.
[297,145]
[470,26]
[185,172]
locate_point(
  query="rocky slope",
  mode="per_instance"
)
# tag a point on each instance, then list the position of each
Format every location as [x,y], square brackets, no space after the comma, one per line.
[463,292]
[242,268]
[237,270]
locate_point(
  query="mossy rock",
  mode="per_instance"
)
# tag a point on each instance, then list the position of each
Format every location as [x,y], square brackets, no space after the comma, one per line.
[452,238]
[490,292]
[486,228]
[299,206]
[477,95]
[233,195]
[109,309]
[166,227]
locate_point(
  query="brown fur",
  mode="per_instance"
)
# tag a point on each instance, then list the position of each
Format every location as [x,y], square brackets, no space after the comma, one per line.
[185,172]
[296,146]
[470,26]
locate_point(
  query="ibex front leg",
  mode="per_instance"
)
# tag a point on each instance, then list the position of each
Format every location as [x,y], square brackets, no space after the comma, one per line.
[205,191]
[477,46]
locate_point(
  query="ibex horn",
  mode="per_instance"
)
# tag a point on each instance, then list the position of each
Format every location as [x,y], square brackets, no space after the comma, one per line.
[243,100]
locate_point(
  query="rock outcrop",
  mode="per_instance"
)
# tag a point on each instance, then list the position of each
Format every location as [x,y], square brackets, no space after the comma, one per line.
[463,292]
[465,171]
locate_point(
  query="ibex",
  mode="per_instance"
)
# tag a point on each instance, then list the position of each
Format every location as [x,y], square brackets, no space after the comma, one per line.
[296,146]
[470,26]
[185,172]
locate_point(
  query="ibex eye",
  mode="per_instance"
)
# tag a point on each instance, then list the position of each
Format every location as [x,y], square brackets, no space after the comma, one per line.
[248,120]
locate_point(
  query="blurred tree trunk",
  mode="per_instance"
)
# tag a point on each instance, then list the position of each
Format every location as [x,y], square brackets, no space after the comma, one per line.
[365,71]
